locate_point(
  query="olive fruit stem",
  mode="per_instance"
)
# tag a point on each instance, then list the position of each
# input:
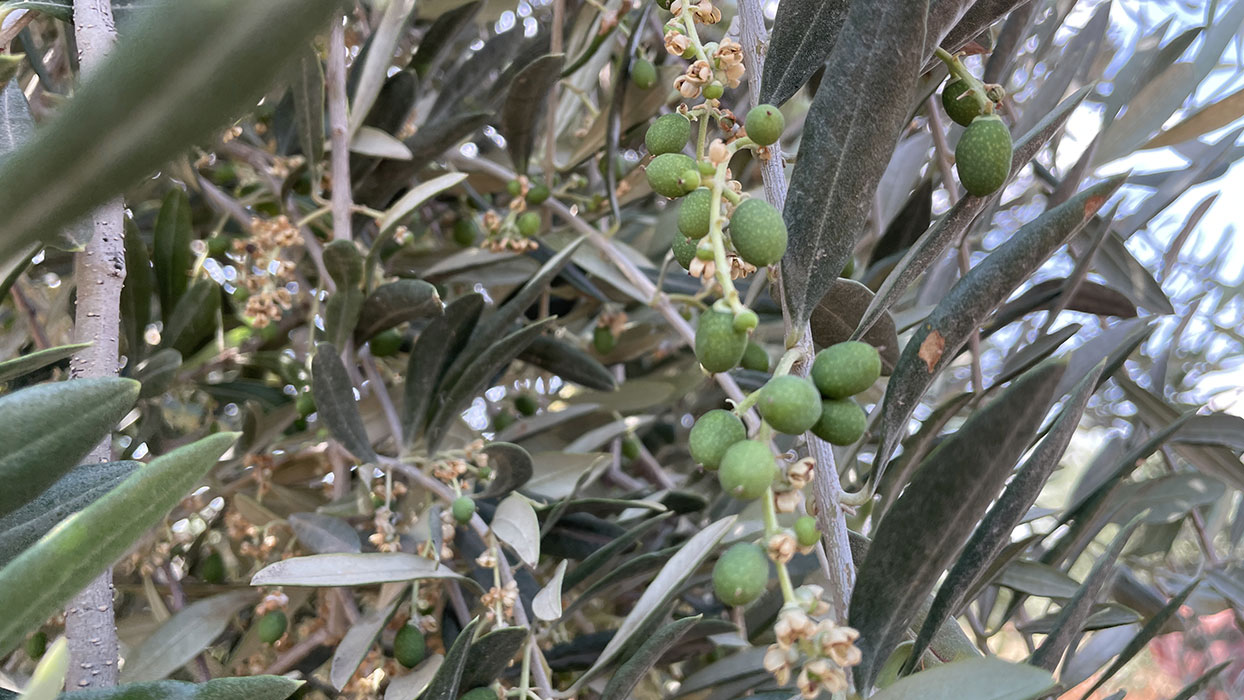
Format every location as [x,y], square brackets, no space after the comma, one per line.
[789,359]
[975,86]
[728,292]
[772,528]
[746,404]
[688,23]
[702,141]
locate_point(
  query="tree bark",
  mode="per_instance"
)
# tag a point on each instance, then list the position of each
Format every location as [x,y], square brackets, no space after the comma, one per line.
[90,624]
[339,130]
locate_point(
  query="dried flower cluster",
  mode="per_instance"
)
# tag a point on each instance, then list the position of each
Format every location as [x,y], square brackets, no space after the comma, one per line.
[265,272]
[823,651]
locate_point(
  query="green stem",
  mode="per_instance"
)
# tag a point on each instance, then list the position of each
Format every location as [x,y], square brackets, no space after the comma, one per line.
[716,237]
[788,361]
[960,71]
[688,23]
[746,404]
[771,528]
[703,139]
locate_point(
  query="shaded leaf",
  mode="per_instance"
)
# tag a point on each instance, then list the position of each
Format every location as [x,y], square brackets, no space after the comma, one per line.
[973,679]
[906,226]
[358,640]
[46,430]
[306,84]
[938,340]
[341,315]
[157,372]
[1029,355]
[838,314]
[568,361]
[403,208]
[634,669]
[171,254]
[136,293]
[1072,615]
[934,516]
[977,19]
[441,34]
[1209,118]
[1167,498]
[1213,429]
[657,595]
[476,375]
[431,140]
[370,141]
[352,570]
[1037,579]
[1089,297]
[1111,346]
[344,262]
[186,69]
[491,654]
[250,687]
[374,67]
[446,683]
[847,142]
[395,303]
[511,466]
[1152,627]
[79,488]
[324,534]
[194,318]
[46,575]
[1191,690]
[616,546]
[411,685]
[804,34]
[515,523]
[440,342]
[335,402]
[933,244]
[188,632]
[525,104]
[31,361]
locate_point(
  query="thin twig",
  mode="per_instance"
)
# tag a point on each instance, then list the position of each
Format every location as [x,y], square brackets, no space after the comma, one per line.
[837,564]
[298,652]
[14,23]
[339,129]
[33,325]
[382,395]
[177,602]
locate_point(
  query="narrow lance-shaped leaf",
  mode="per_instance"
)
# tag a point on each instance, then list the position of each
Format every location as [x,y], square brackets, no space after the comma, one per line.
[934,516]
[395,303]
[306,79]
[171,250]
[438,343]
[978,679]
[136,293]
[365,569]
[79,488]
[938,340]
[515,523]
[501,321]
[335,402]
[491,654]
[524,106]
[511,466]
[930,247]
[46,430]
[994,532]
[847,142]
[39,581]
[358,640]
[477,374]
[185,69]
[1072,615]
[1201,682]
[31,361]
[568,361]
[1152,627]
[250,687]
[657,595]
[447,681]
[649,653]
[804,34]
[191,630]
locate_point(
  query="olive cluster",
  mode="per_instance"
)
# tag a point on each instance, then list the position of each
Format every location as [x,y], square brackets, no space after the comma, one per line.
[748,469]
[983,154]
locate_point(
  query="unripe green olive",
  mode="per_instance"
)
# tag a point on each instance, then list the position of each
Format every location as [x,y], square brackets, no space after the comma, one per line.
[714,90]
[603,340]
[741,574]
[537,194]
[764,124]
[695,213]
[960,105]
[805,531]
[484,693]
[462,509]
[842,422]
[717,345]
[529,224]
[790,404]
[409,646]
[465,232]
[713,434]
[983,155]
[526,404]
[846,369]
[684,250]
[758,232]
[755,358]
[386,343]
[643,74]
[272,626]
[668,174]
[668,134]
[747,470]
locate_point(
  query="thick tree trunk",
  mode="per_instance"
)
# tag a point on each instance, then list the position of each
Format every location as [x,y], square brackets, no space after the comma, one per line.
[90,625]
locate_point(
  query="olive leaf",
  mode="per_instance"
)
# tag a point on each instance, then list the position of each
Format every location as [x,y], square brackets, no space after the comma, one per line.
[335,402]
[358,640]
[804,34]
[629,674]
[306,84]
[184,70]
[29,362]
[932,245]
[439,343]
[838,314]
[515,523]
[847,141]
[939,338]
[183,636]
[48,429]
[395,303]
[524,106]
[491,654]
[447,682]
[994,531]
[511,466]
[170,254]
[937,512]
[568,361]
[46,575]
[352,569]
[972,679]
